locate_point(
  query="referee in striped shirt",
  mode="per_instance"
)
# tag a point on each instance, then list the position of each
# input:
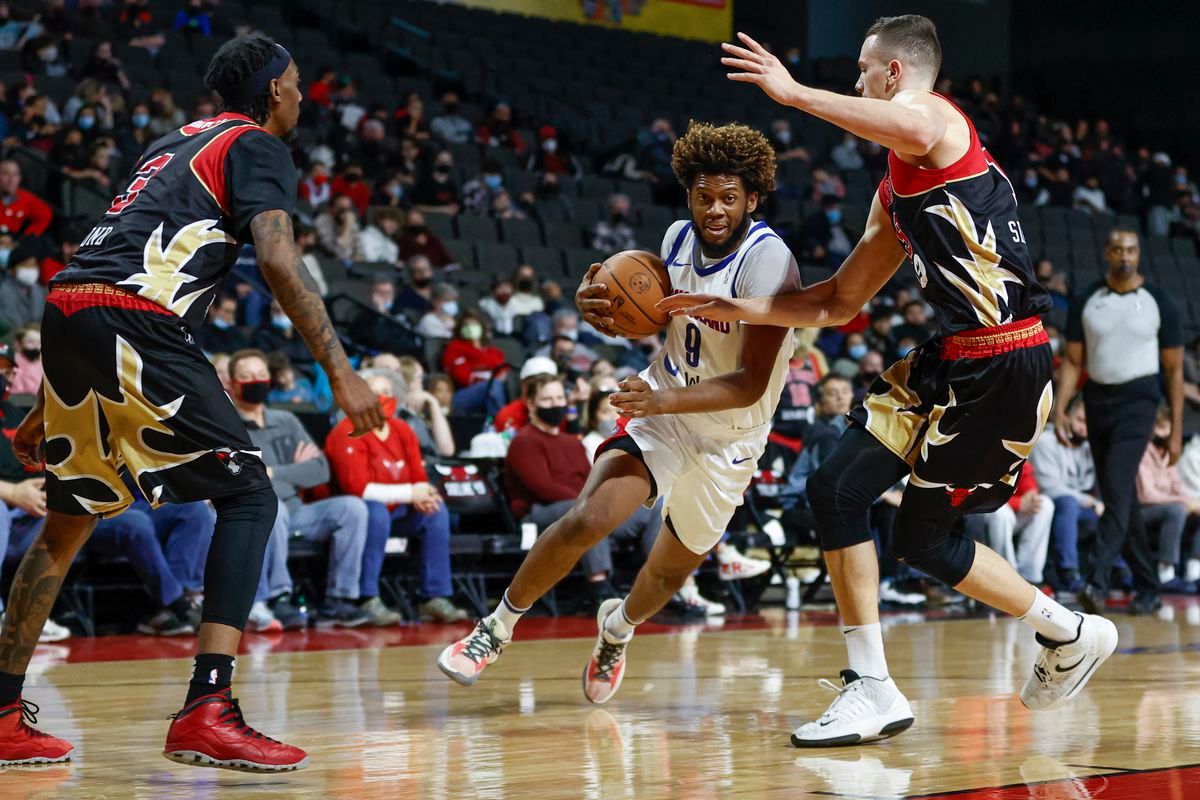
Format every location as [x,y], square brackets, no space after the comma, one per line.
[1129,336]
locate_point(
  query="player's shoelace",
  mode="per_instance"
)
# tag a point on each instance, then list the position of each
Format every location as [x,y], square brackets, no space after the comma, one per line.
[482,643]
[606,659]
[232,715]
[29,712]
[849,699]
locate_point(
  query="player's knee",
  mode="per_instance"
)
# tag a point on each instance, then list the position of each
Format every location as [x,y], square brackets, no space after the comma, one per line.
[253,512]
[584,525]
[665,580]
[841,517]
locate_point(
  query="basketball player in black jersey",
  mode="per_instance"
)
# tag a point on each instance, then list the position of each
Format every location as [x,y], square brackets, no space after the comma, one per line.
[127,390]
[960,414]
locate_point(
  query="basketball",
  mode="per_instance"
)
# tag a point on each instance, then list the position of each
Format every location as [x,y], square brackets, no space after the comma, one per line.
[636,281]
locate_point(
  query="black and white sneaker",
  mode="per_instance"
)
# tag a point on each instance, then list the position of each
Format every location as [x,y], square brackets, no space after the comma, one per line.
[865,709]
[1062,669]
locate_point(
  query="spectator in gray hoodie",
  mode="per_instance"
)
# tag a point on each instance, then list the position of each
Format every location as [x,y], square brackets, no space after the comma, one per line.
[1067,475]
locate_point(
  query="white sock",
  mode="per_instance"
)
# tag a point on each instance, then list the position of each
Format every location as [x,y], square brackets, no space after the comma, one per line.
[864,646]
[618,624]
[508,613]
[1051,619]
[1193,569]
[1166,572]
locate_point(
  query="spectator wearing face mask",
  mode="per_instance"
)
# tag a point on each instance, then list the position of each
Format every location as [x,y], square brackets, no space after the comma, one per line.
[515,415]
[22,298]
[416,299]
[351,184]
[438,322]
[221,334]
[417,241]
[823,236]
[786,146]
[846,155]
[278,335]
[316,188]
[498,307]
[135,137]
[526,300]
[551,157]
[450,126]
[879,335]
[28,360]
[854,347]
[476,365]
[479,192]
[615,233]
[869,369]
[436,191]
[22,213]
[602,422]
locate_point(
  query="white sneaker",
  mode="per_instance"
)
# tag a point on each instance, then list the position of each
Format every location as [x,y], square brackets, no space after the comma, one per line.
[465,659]
[1061,670]
[606,668]
[53,632]
[733,566]
[690,594]
[866,709]
[890,594]
[261,620]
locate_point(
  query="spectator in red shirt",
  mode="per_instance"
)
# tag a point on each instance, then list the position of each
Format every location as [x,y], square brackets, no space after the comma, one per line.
[546,469]
[320,91]
[476,365]
[515,415]
[418,240]
[498,130]
[410,120]
[385,469]
[22,213]
[552,157]
[351,184]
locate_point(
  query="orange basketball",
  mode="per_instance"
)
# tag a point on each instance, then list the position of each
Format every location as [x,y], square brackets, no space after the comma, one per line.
[636,281]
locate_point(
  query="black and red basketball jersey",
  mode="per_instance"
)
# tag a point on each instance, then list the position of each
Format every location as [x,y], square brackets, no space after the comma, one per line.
[174,232]
[959,226]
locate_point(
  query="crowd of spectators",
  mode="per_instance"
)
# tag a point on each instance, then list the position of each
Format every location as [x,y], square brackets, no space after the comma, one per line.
[377,185]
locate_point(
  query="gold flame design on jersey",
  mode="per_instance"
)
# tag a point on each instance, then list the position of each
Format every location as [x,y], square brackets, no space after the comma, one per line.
[983,266]
[163,269]
[97,457]
[933,434]
[890,415]
[1022,449]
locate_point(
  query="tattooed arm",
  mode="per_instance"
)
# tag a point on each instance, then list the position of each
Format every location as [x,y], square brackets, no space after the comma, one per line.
[281,264]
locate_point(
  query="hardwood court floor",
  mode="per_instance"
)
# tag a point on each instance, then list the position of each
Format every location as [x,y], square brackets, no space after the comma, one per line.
[702,714]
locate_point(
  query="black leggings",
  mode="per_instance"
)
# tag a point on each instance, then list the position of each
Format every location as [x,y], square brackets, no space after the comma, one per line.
[846,485]
[235,557]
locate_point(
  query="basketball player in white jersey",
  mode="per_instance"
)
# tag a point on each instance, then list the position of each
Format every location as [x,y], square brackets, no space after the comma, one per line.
[693,425]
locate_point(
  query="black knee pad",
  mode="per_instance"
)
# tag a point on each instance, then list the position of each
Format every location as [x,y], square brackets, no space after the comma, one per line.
[929,544]
[235,557]
[841,510]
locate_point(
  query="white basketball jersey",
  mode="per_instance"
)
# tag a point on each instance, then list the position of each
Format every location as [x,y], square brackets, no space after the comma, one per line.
[697,349]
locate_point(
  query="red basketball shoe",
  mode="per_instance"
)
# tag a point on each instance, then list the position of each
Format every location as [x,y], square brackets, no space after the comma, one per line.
[211,732]
[22,744]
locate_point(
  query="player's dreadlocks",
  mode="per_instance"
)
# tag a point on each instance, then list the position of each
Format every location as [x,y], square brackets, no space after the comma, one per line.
[233,64]
[731,149]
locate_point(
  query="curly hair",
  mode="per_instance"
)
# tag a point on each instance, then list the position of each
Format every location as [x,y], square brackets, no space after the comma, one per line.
[233,63]
[732,149]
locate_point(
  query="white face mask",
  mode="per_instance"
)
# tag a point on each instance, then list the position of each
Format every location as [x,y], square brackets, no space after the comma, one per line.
[26,276]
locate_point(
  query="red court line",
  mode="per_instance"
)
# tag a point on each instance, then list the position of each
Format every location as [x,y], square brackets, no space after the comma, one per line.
[1167,783]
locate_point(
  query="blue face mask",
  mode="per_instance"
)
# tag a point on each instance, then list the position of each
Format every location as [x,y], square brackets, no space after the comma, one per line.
[140,120]
[834,215]
[86,123]
[221,323]
[904,350]
[450,309]
[281,321]
[493,182]
[1031,181]
[857,351]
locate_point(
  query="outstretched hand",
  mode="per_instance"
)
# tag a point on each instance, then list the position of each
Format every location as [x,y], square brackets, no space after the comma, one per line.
[753,64]
[708,306]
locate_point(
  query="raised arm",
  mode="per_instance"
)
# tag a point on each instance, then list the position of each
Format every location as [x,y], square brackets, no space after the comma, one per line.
[281,265]
[832,302]
[737,389]
[913,122]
